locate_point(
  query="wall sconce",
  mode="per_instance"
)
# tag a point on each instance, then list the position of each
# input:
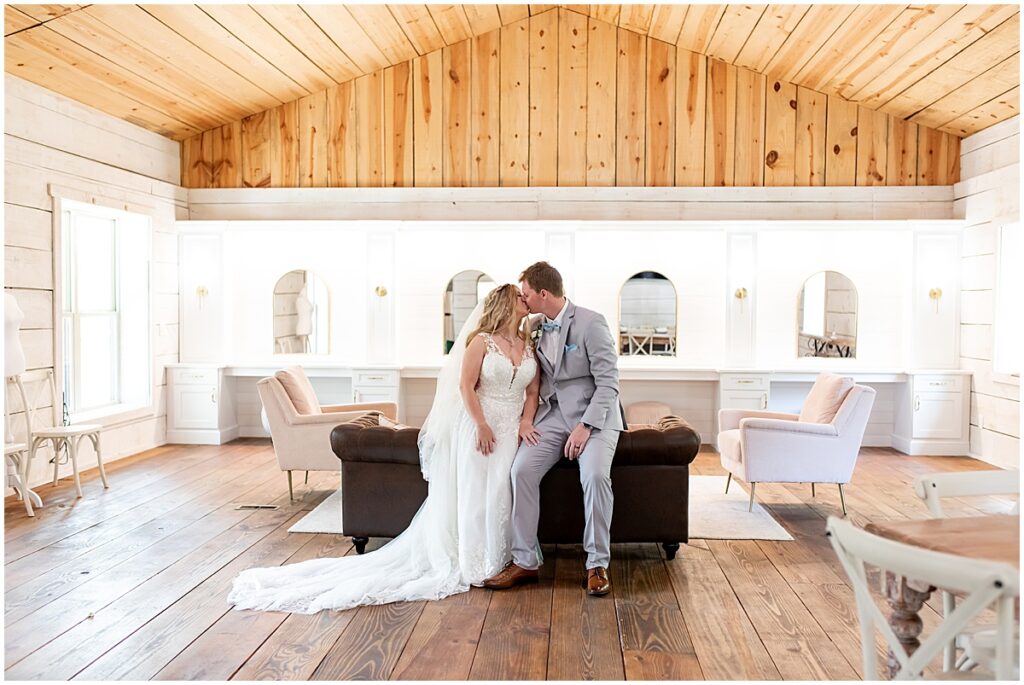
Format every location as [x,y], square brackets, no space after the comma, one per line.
[740,294]
[935,294]
[201,293]
[381,291]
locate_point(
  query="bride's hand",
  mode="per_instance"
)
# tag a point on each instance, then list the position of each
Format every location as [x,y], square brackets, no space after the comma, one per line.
[484,439]
[528,433]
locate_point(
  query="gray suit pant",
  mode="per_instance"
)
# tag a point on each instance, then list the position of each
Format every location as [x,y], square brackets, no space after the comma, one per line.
[534,461]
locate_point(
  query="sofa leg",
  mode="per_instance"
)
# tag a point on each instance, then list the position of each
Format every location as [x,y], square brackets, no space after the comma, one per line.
[307,478]
[812,490]
[842,500]
[727,481]
[751,507]
[291,493]
[360,543]
[670,549]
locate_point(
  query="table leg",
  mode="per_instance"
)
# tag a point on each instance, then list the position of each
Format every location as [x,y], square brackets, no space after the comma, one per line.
[906,603]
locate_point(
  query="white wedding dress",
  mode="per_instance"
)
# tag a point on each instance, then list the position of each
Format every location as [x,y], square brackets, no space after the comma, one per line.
[460,535]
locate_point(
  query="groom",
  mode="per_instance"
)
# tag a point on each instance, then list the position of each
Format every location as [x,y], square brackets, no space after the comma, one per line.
[579,418]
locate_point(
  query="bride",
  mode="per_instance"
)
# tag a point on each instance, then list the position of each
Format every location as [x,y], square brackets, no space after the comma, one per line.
[487,395]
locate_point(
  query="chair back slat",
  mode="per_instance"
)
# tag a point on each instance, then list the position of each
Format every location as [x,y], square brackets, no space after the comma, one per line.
[984,583]
[933,487]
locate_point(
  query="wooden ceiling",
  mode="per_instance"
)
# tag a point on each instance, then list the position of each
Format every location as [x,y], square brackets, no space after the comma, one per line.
[182,69]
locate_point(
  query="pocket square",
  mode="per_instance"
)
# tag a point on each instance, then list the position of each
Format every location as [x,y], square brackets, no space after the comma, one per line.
[570,347]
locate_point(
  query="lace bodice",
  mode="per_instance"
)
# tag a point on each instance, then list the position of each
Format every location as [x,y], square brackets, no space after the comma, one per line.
[500,378]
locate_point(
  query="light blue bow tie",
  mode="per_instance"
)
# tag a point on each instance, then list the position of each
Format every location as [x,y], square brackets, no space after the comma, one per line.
[549,326]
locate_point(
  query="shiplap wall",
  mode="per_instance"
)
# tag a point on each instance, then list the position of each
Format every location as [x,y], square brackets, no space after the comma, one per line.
[561,99]
[52,140]
[989,197]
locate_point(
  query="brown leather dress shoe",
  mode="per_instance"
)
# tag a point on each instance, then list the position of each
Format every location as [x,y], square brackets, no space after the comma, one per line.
[510,576]
[597,582]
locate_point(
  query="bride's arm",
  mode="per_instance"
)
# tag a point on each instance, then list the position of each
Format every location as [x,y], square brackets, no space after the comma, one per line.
[470,376]
[526,430]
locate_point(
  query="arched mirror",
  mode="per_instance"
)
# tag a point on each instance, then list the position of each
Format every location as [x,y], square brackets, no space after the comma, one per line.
[827,316]
[647,315]
[301,314]
[460,298]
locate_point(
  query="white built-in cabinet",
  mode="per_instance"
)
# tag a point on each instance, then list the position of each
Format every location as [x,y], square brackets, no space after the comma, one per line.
[744,390]
[371,385]
[201,409]
[932,413]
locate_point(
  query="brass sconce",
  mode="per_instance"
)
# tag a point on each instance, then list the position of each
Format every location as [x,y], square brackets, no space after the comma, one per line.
[201,293]
[935,294]
[381,291]
[740,294]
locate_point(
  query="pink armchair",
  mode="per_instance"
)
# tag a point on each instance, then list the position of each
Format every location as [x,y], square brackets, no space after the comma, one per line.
[774,447]
[301,428]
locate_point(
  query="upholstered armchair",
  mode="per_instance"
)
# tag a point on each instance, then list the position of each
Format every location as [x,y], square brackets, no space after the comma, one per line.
[819,445]
[300,427]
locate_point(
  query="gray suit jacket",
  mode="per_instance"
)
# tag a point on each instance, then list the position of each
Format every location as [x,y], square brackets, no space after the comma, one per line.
[583,376]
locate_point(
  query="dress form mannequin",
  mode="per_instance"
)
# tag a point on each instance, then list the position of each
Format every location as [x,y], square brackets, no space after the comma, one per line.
[304,320]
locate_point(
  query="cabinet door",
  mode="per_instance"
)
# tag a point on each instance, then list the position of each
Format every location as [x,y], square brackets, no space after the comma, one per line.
[744,399]
[363,395]
[938,415]
[195,406]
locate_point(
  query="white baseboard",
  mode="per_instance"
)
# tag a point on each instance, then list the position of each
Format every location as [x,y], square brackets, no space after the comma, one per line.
[933,448]
[197,436]
[252,432]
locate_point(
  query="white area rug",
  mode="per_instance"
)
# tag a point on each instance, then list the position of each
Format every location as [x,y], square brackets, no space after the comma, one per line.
[713,514]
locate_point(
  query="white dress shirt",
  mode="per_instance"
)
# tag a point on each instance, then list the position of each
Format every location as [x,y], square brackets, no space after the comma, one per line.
[549,340]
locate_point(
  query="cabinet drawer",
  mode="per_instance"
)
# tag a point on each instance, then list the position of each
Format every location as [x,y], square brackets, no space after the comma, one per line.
[194,376]
[938,383]
[375,378]
[744,381]
[364,395]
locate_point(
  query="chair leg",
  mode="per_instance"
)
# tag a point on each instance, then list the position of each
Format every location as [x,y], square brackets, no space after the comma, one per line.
[727,481]
[291,493]
[73,449]
[306,482]
[751,507]
[95,438]
[56,460]
[812,490]
[842,500]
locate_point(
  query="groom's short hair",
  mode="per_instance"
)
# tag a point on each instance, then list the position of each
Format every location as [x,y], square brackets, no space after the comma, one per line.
[543,276]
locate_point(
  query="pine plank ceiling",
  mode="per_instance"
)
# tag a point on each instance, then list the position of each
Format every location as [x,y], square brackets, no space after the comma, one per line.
[182,69]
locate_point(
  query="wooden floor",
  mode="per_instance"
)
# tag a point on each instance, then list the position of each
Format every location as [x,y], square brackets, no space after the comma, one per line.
[130,583]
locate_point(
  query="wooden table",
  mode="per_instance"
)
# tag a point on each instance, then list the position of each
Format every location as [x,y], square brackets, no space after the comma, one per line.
[992,538]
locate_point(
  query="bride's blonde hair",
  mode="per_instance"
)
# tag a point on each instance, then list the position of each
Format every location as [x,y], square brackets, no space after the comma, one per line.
[499,311]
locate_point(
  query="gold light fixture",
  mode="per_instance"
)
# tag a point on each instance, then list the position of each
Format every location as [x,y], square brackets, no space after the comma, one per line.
[740,294]
[381,291]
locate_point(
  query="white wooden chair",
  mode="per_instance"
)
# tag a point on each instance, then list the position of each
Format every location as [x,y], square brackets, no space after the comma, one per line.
[932,488]
[60,436]
[16,453]
[983,582]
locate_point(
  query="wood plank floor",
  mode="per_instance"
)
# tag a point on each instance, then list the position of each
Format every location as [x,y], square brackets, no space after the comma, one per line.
[130,583]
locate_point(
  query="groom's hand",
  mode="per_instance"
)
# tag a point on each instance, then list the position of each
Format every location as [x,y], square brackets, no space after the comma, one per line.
[528,433]
[576,442]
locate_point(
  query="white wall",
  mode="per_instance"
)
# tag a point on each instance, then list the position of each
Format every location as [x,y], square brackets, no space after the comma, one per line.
[55,145]
[989,197]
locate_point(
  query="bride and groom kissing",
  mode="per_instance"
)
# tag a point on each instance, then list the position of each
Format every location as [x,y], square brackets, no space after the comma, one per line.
[516,395]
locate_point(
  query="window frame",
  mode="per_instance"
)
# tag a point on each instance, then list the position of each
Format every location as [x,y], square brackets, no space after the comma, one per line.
[122,410]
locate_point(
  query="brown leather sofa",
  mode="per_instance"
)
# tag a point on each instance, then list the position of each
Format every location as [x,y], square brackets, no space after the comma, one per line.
[382,487]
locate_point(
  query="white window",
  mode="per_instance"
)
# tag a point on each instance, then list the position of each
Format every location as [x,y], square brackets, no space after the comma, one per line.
[1007,329]
[105,310]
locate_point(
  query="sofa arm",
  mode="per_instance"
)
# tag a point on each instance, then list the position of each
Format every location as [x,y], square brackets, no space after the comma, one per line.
[673,442]
[353,443]
[728,419]
[388,409]
[789,426]
[320,419]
